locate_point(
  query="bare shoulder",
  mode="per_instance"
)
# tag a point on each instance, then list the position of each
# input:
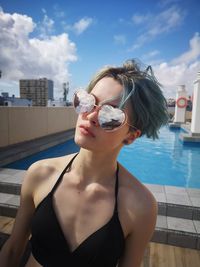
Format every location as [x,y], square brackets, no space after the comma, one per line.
[138,214]
[43,170]
[137,201]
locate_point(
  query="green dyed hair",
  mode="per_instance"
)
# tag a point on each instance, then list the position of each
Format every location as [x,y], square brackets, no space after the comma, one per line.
[142,91]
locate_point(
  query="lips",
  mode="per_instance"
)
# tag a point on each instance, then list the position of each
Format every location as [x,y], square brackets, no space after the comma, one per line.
[86,130]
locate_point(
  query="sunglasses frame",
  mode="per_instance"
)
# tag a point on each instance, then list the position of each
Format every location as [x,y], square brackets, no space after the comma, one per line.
[99,108]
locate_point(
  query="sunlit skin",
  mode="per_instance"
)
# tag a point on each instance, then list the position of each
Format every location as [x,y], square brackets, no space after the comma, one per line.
[102,147]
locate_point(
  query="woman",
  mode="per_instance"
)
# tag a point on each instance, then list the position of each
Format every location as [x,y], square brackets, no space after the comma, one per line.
[96,213]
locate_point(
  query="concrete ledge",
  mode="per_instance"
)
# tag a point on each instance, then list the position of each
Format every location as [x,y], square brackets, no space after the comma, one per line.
[159,236]
[178,232]
[180,211]
[175,125]
[8,211]
[18,151]
[189,137]
[14,189]
[181,239]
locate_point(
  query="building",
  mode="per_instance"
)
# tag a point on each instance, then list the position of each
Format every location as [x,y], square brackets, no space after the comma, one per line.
[37,90]
[62,102]
[12,101]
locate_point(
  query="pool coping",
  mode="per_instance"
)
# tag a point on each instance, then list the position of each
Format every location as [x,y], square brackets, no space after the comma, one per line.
[168,197]
[11,153]
[22,150]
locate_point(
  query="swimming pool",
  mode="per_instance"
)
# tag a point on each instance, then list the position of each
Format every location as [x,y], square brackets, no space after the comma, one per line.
[166,161]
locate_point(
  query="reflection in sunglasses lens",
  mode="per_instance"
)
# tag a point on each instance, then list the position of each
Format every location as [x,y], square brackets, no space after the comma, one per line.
[83,102]
[109,118]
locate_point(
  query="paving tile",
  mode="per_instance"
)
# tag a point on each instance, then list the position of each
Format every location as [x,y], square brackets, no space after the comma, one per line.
[198,242]
[192,192]
[197,226]
[178,199]
[8,211]
[196,214]
[9,171]
[159,236]
[178,211]
[160,197]
[14,201]
[3,176]
[182,240]
[175,190]
[195,201]
[161,221]
[14,179]
[4,198]
[180,224]
[155,188]
[21,173]
[162,208]
[14,189]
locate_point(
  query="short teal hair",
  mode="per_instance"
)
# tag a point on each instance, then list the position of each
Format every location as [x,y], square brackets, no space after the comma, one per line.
[143,92]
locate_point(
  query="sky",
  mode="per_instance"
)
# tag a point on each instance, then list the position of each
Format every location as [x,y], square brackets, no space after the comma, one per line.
[69,41]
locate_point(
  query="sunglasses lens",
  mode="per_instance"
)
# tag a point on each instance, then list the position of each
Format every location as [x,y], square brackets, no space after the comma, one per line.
[110,118]
[83,102]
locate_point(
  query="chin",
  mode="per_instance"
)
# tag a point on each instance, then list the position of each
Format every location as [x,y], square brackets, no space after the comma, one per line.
[86,144]
[81,142]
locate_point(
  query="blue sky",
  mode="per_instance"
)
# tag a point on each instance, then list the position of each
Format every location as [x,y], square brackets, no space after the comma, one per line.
[71,40]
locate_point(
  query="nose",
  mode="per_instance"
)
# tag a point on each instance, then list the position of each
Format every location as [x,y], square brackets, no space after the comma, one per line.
[92,116]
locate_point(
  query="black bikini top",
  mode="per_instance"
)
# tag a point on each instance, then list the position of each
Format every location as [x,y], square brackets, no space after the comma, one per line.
[103,248]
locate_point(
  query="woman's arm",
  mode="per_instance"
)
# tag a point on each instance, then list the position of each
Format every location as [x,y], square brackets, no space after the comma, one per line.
[141,234]
[13,249]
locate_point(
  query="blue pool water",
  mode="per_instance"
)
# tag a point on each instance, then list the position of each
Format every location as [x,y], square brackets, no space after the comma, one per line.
[166,161]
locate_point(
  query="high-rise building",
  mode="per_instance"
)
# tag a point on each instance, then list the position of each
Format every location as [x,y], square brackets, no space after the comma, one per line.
[37,90]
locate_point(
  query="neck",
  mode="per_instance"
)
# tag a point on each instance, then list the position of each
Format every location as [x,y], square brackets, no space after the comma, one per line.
[92,166]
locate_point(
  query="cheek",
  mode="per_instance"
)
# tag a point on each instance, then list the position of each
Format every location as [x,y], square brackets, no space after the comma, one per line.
[103,141]
[113,139]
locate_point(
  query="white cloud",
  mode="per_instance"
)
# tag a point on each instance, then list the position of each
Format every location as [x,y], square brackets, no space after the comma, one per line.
[78,27]
[81,25]
[59,13]
[170,76]
[181,70]
[157,24]
[139,19]
[45,27]
[44,10]
[192,54]
[151,54]
[25,57]
[120,39]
